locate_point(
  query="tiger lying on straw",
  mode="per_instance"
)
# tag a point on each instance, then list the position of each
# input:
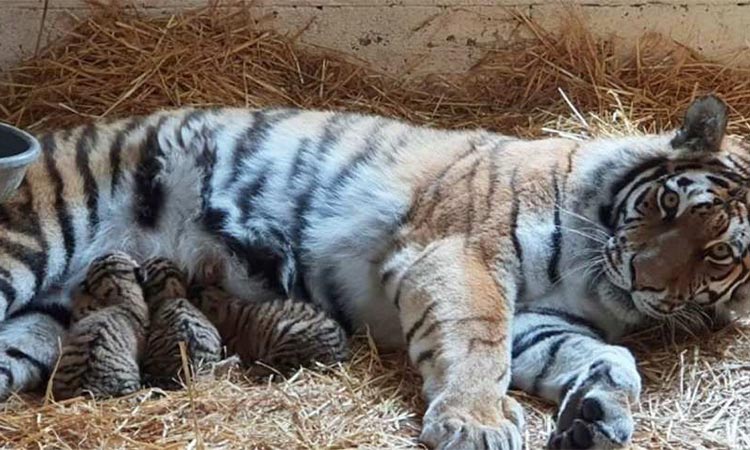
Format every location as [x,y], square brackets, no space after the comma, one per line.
[496,261]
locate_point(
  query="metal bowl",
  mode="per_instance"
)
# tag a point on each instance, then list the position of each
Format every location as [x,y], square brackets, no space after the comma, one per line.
[18,149]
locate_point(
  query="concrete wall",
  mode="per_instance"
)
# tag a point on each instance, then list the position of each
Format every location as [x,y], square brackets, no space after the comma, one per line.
[421,35]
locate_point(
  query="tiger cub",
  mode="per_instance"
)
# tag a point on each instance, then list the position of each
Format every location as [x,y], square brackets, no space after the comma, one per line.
[173,320]
[282,334]
[101,354]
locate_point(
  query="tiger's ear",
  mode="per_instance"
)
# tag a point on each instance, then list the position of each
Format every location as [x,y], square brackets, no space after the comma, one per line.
[704,125]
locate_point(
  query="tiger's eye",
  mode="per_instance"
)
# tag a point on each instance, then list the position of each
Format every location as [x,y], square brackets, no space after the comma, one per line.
[720,251]
[670,200]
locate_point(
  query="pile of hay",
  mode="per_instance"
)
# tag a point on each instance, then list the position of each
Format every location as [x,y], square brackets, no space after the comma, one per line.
[118,63]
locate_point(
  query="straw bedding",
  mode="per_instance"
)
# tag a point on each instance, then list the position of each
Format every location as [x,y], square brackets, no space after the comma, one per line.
[118,63]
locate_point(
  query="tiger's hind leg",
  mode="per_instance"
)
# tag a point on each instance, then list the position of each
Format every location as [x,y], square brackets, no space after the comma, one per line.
[456,320]
[562,357]
[29,343]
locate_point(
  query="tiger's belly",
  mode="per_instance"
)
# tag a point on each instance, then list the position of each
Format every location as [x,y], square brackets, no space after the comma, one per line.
[321,202]
[343,249]
[365,304]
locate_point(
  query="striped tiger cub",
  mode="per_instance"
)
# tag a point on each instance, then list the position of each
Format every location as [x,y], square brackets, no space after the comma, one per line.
[173,320]
[282,334]
[101,354]
[494,260]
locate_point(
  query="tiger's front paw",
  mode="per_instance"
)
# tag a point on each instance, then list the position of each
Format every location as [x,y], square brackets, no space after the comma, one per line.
[487,425]
[600,420]
[596,414]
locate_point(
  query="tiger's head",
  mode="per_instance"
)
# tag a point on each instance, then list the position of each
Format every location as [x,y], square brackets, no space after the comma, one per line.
[680,225]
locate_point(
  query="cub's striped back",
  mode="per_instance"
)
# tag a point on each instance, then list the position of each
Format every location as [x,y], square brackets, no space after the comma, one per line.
[163,280]
[283,334]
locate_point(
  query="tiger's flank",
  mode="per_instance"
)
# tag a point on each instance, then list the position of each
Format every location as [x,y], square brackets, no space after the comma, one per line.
[173,320]
[282,334]
[101,354]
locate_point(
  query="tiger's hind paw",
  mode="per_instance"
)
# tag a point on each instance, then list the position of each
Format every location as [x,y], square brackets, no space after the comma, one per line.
[453,429]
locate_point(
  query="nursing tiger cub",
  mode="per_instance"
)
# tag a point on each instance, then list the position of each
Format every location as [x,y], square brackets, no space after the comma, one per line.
[494,260]
[173,320]
[102,352]
[283,334]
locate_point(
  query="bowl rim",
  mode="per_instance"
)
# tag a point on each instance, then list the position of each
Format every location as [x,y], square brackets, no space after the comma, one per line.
[27,156]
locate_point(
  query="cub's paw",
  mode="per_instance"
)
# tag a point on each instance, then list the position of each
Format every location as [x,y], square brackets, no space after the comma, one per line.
[497,426]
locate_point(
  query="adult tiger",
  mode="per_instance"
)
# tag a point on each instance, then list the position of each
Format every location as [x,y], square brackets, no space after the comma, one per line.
[463,245]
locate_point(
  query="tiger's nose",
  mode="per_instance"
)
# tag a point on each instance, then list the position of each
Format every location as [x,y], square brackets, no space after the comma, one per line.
[613,249]
[667,307]
[674,296]
[674,301]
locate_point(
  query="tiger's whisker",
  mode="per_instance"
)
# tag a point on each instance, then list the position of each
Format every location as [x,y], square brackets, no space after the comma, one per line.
[597,226]
[581,233]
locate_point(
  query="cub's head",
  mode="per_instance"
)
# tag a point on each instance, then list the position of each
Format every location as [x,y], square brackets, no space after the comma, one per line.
[163,280]
[112,278]
[211,300]
[680,224]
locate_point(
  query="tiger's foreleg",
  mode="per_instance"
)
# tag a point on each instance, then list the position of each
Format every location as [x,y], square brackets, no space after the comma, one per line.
[29,344]
[456,321]
[562,357]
